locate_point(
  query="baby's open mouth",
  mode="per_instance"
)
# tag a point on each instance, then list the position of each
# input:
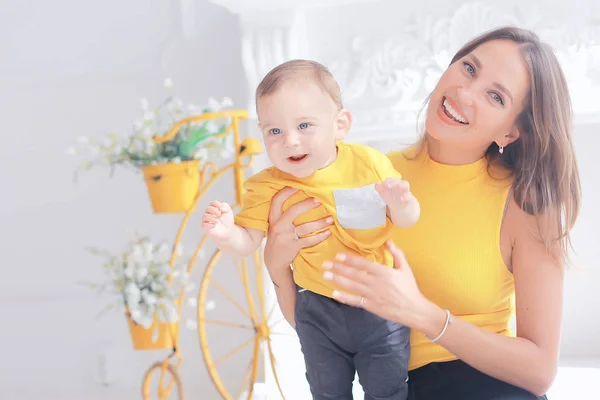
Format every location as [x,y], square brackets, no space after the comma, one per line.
[297,158]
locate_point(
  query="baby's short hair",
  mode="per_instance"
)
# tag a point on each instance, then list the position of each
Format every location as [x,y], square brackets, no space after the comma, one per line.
[292,69]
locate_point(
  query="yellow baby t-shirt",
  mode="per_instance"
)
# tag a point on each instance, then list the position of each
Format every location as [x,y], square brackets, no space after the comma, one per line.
[346,192]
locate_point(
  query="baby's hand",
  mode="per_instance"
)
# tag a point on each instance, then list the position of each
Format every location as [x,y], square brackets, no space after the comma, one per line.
[394,192]
[217,220]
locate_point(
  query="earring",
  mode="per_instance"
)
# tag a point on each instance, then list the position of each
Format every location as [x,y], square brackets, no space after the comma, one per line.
[501,149]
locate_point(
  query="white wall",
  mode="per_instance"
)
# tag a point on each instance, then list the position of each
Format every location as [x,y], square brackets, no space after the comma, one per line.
[71,69]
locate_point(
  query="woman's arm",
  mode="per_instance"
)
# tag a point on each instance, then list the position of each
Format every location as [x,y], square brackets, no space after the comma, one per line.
[528,361]
[282,246]
[285,290]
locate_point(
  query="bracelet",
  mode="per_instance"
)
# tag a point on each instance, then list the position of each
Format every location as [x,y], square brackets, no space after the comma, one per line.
[449,320]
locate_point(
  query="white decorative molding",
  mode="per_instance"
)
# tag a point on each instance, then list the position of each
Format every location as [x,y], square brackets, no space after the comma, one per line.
[386,75]
[268,40]
[243,6]
[386,80]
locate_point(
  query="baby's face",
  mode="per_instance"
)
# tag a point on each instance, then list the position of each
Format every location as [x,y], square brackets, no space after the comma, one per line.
[300,124]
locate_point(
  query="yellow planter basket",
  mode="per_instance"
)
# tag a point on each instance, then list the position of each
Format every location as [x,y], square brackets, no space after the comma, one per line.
[142,337]
[172,187]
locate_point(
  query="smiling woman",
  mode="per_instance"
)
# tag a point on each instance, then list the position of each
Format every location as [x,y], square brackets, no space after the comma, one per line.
[498,146]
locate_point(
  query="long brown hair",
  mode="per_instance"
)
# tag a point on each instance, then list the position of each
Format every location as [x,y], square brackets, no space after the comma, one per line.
[542,161]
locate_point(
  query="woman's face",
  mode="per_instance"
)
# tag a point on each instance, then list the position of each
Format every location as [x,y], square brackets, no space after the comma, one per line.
[479,97]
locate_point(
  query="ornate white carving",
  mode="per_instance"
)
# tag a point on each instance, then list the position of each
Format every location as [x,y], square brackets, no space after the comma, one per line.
[385,81]
[270,39]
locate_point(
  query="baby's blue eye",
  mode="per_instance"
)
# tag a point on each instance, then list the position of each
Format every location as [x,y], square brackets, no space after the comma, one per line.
[303,125]
[275,131]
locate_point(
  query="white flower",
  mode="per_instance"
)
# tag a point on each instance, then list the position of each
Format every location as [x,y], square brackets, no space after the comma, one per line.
[200,154]
[140,274]
[129,271]
[164,268]
[171,313]
[190,287]
[210,305]
[226,102]
[168,83]
[145,320]
[194,110]
[148,116]
[212,126]
[132,294]
[148,297]
[193,302]
[71,151]
[137,255]
[191,324]
[83,140]
[175,105]
[156,287]
[148,250]
[163,248]
[214,105]
[144,104]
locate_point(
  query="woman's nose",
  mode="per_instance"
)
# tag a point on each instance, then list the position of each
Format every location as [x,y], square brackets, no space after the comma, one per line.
[465,96]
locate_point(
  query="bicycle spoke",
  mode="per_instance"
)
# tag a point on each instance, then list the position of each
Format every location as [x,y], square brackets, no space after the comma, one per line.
[244,380]
[274,367]
[231,299]
[271,312]
[225,323]
[277,323]
[234,351]
[239,270]
[282,334]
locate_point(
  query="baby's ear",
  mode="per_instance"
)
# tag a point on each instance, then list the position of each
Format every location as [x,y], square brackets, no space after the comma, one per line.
[343,124]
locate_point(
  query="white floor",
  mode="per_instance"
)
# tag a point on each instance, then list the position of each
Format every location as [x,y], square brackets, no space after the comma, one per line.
[572,383]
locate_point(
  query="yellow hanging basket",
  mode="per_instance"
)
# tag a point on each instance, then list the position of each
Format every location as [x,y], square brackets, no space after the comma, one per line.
[172,187]
[159,336]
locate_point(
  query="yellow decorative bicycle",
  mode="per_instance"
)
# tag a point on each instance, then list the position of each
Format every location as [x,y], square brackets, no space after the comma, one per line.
[186,183]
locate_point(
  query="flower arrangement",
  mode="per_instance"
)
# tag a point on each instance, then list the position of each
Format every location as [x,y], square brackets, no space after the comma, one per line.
[195,141]
[139,279]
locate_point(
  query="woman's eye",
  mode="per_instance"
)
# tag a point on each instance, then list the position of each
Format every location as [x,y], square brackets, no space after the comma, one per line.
[498,98]
[303,125]
[275,131]
[469,68]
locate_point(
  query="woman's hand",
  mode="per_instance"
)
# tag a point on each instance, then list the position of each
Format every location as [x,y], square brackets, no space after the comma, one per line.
[392,294]
[282,243]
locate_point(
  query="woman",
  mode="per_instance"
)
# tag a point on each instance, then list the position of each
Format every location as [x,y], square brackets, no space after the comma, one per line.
[499,188]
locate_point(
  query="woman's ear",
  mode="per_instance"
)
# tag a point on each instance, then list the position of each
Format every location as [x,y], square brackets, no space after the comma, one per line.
[510,137]
[343,123]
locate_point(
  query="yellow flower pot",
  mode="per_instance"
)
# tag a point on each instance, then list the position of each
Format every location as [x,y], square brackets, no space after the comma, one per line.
[141,337]
[172,187]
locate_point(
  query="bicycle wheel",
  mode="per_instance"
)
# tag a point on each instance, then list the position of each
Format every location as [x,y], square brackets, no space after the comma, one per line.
[219,338]
[169,383]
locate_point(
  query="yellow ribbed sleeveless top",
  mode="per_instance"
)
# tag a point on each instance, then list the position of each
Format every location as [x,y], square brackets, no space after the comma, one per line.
[454,249]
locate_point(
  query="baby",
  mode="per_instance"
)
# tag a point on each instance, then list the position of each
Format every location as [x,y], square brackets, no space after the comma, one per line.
[303,122]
